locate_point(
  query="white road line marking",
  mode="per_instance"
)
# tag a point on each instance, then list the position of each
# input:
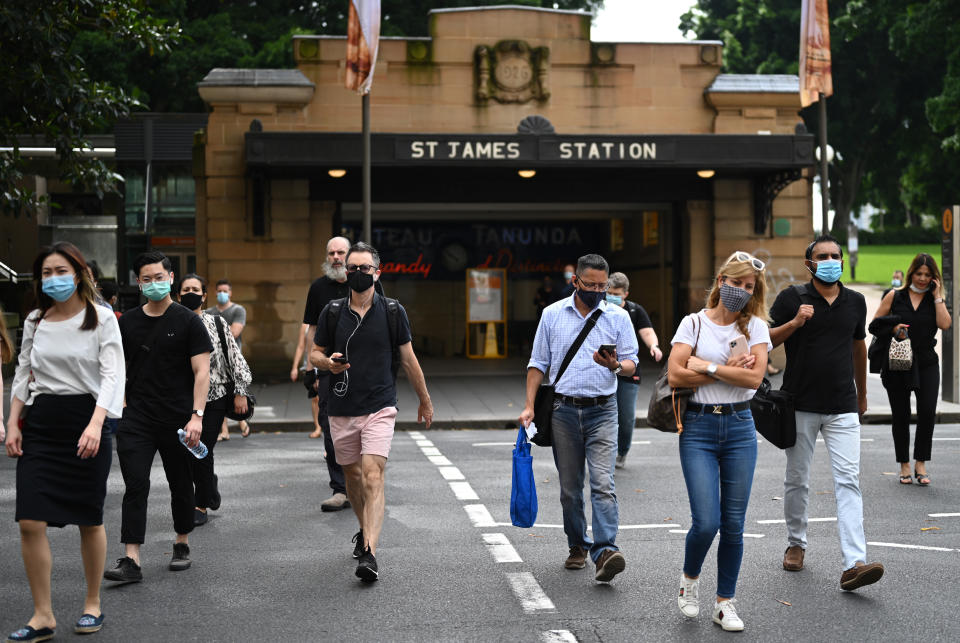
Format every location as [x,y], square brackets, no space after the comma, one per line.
[781,521]
[861,439]
[428,451]
[526,588]
[463,491]
[640,442]
[558,636]
[538,525]
[944,515]
[424,443]
[901,546]
[953,439]
[683,531]
[501,549]
[479,516]
[416,435]
[439,460]
[451,473]
[493,444]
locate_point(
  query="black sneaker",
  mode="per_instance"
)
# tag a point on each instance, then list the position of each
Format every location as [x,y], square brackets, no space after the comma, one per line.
[199,517]
[181,557]
[126,571]
[358,547]
[367,567]
[215,501]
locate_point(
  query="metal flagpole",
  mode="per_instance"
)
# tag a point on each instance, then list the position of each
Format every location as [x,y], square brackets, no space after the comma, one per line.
[824,181]
[367,235]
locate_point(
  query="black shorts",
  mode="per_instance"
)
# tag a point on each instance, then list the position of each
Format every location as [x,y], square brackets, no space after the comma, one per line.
[310,382]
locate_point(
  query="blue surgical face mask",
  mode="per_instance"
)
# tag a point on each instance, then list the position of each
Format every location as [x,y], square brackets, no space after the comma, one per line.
[59,287]
[829,270]
[614,299]
[896,283]
[568,275]
[155,290]
[223,298]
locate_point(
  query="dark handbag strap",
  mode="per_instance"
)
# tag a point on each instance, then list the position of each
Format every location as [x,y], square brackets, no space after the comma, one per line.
[577,343]
[231,387]
[674,401]
[135,365]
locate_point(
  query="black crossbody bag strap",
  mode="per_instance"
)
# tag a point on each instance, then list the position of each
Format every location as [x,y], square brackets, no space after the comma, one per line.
[577,343]
[136,363]
[231,386]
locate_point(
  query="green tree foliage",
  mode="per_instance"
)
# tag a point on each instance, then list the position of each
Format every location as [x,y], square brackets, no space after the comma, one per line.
[218,33]
[894,117]
[48,92]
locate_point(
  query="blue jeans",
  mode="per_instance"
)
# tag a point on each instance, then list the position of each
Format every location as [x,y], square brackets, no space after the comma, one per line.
[587,435]
[626,412]
[841,436]
[718,454]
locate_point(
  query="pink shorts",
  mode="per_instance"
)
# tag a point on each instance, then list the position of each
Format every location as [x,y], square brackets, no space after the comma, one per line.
[369,434]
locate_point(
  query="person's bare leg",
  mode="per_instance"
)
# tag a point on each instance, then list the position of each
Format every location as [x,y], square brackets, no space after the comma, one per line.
[38,563]
[373,498]
[224,432]
[315,409]
[182,539]
[353,474]
[132,550]
[93,550]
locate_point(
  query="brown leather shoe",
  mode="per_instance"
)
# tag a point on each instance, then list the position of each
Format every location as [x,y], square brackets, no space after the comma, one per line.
[609,565]
[860,575]
[577,558]
[793,558]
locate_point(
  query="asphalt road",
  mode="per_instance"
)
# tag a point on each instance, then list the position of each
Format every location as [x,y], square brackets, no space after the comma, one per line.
[270,566]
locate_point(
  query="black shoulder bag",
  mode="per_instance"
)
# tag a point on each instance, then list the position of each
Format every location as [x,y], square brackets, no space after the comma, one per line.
[668,404]
[543,403]
[231,385]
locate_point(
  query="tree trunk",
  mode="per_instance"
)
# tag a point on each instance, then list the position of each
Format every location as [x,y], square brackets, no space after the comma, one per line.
[845,193]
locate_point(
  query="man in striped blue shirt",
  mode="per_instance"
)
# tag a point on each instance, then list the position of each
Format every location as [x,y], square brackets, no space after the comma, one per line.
[585,410]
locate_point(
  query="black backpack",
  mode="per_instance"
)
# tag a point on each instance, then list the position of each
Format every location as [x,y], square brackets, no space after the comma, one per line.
[335,309]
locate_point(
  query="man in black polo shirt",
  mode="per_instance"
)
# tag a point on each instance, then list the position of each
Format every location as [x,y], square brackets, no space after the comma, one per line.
[360,338]
[822,325]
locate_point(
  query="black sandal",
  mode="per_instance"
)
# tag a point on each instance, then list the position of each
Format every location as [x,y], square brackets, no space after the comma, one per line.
[921,477]
[907,479]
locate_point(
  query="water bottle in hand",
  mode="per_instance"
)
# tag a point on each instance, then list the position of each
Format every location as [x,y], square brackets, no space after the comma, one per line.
[200,451]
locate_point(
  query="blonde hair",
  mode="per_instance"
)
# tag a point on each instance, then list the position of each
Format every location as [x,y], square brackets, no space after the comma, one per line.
[6,346]
[756,305]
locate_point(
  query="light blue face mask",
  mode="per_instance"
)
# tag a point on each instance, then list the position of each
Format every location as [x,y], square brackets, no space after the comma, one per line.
[829,270]
[59,287]
[223,298]
[156,290]
[614,299]
[568,276]
[896,283]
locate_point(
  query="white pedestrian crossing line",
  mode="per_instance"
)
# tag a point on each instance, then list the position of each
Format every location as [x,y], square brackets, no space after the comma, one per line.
[947,439]
[424,443]
[861,439]
[450,473]
[656,525]
[683,531]
[501,549]
[528,591]
[558,636]
[479,516]
[781,521]
[439,460]
[902,546]
[463,491]
[416,435]
[952,515]
[428,451]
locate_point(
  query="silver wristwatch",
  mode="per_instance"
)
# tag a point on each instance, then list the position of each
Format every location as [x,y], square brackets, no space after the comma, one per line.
[619,368]
[198,413]
[712,369]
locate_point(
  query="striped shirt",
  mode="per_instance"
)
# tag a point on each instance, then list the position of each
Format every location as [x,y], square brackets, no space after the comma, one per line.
[559,326]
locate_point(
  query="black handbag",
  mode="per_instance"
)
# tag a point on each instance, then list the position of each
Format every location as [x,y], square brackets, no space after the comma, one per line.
[543,402]
[231,386]
[668,404]
[774,415]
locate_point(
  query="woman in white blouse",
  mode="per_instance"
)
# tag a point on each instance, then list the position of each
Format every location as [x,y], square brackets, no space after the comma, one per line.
[225,370]
[722,351]
[69,378]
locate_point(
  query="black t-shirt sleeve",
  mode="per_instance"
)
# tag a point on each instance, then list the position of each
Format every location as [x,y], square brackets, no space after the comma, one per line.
[643,319]
[321,337]
[404,335]
[859,331]
[784,307]
[198,339]
[312,310]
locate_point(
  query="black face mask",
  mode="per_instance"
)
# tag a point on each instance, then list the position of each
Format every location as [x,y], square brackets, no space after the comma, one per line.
[359,281]
[191,300]
[590,298]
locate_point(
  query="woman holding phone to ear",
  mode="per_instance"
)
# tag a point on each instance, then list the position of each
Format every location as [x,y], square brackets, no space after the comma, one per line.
[718,442]
[919,307]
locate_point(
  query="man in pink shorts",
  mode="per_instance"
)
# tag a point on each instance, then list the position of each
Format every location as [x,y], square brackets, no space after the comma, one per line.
[362,340]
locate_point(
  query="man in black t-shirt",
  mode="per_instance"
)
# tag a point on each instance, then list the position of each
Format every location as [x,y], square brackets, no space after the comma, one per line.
[822,325]
[358,351]
[168,376]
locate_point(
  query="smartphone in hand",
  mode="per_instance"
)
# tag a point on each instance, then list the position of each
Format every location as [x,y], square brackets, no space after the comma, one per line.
[339,360]
[738,346]
[608,349]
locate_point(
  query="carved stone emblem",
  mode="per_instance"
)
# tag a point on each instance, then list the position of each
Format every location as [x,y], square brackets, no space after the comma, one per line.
[512,72]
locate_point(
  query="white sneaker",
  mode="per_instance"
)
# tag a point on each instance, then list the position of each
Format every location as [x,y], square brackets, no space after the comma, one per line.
[725,615]
[689,597]
[621,460]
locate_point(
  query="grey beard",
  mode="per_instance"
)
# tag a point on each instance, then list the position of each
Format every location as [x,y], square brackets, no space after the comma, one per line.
[337,273]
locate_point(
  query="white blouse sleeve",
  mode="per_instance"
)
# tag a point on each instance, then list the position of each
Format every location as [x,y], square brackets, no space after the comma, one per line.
[113,369]
[21,378]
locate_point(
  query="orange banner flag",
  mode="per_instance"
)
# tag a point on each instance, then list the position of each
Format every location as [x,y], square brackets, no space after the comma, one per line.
[363,39]
[815,71]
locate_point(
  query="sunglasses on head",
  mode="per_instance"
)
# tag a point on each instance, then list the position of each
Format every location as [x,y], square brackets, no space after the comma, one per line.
[747,257]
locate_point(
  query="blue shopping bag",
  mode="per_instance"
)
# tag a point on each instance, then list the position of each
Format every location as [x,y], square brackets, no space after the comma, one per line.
[523,495]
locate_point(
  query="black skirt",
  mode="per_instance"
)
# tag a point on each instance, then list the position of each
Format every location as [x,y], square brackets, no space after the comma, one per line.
[54,485]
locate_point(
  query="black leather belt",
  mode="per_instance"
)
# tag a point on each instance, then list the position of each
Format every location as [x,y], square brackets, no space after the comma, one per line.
[718,409]
[582,401]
